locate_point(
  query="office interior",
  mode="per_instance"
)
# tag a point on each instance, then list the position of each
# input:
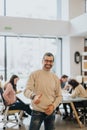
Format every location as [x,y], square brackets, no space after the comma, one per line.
[30,28]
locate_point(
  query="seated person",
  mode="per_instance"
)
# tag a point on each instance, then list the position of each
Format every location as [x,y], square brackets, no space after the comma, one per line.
[67,114]
[78,91]
[63,81]
[9,96]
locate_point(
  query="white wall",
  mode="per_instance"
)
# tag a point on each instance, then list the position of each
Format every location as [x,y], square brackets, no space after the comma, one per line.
[27,26]
[70,46]
[66,56]
[72,8]
[76,44]
[76,8]
[79,25]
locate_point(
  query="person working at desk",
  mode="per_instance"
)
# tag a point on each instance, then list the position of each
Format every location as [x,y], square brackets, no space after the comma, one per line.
[43,88]
[77,91]
[63,80]
[9,96]
[65,86]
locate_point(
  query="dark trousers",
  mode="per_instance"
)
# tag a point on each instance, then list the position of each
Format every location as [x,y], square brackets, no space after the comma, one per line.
[18,105]
[38,117]
[66,109]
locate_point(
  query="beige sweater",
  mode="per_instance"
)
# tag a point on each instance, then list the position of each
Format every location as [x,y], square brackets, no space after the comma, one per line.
[79,91]
[45,83]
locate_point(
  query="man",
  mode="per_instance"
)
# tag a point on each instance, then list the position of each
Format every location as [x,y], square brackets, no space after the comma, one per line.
[63,80]
[43,88]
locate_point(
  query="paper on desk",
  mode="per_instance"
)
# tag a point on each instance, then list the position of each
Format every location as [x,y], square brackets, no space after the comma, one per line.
[23,98]
[65,94]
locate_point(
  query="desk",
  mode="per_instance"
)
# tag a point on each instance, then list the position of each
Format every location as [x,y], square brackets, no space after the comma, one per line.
[68,99]
[21,97]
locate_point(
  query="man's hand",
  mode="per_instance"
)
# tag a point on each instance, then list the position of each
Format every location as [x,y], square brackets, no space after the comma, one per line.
[49,109]
[36,99]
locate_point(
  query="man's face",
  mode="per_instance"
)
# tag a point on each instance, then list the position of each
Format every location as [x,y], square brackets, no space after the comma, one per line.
[65,80]
[47,62]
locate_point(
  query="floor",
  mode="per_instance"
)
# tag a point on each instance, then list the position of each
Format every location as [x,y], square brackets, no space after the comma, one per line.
[60,124]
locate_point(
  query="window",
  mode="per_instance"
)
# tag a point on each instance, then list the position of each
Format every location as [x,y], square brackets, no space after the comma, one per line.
[24,55]
[2,7]
[43,9]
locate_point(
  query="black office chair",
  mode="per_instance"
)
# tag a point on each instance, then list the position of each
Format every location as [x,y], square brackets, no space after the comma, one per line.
[82,111]
[7,113]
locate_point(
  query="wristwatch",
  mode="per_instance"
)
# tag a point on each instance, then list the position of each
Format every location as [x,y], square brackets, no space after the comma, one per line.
[32,97]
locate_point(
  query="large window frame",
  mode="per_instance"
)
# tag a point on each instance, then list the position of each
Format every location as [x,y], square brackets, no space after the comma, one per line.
[31,9]
[45,42]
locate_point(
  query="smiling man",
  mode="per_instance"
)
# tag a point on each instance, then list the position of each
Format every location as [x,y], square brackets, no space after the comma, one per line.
[43,88]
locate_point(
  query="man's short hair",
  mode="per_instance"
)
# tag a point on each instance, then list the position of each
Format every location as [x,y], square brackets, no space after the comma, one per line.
[48,54]
[64,76]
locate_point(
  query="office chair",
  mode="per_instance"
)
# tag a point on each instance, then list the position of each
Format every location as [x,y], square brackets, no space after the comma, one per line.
[7,113]
[82,111]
